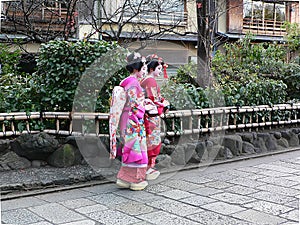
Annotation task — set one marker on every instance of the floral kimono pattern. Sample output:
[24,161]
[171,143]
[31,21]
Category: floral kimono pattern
[152,123]
[132,129]
[117,103]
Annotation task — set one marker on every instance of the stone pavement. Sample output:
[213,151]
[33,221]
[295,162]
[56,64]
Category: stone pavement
[256,191]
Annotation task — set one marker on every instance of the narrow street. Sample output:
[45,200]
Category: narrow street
[257,191]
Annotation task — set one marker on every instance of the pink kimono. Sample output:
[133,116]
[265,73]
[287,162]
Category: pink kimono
[133,135]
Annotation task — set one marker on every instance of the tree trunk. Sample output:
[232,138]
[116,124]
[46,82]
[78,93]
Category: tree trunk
[205,22]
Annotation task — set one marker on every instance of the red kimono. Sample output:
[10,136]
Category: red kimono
[152,123]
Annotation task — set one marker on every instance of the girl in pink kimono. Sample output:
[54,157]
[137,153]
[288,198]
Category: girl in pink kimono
[132,173]
[152,122]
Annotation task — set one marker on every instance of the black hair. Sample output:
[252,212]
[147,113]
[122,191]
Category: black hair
[134,66]
[134,62]
[153,64]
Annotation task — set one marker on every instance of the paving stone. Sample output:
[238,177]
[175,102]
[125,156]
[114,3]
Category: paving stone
[294,178]
[236,173]
[176,194]
[297,187]
[278,168]
[218,184]
[64,195]
[206,191]
[20,216]
[246,182]
[292,215]
[255,177]
[77,203]
[56,213]
[91,208]
[21,203]
[108,199]
[294,204]
[241,190]
[228,175]
[251,169]
[82,222]
[142,223]
[272,173]
[272,197]
[293,160]
[286,164]
[157,188]
[41,223]
[280,190]
[289,223]
[175,207]
[212,218]
[223,208]
[133,208]
[181,184]
[233,198]
[197,179]
[198,200]
[268,207]
[101,189]
[166,218]
[141,196]
[256,217]
[112,217]
[279,181]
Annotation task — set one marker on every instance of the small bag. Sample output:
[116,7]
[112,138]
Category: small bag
[166,105]
[151,108]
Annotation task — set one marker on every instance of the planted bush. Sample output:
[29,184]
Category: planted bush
[62,65]
[249,73]
[16,87]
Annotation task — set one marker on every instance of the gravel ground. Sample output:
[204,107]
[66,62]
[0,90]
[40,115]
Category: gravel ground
[44,177]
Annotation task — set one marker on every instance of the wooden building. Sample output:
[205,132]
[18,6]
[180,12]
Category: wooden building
[232,19]
[264,19]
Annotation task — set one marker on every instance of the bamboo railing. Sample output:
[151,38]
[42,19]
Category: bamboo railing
[181,122]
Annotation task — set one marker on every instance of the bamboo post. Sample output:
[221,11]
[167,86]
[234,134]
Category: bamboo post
[12,125]
[191,122]
[181,121]
[199,121]
[244,120]
[173,124]
[57,124]
[71,123]
[213,119]
[97,127]
[27,126]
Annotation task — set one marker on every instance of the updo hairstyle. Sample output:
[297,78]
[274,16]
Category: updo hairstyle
[153,61]
[134,62]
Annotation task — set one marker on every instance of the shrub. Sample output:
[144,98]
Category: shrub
[291,76]
[249,73]
[61,67]
[15,87]
[184,96]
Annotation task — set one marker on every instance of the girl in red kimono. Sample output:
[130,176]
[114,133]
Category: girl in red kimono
[132,173]
[152,121]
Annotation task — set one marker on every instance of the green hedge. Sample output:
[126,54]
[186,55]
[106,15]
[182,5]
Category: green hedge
[68,72]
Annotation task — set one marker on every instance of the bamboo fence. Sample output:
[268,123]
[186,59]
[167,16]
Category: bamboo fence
[180,122]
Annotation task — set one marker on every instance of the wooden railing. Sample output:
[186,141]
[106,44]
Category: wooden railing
[263,27]
[182,122]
